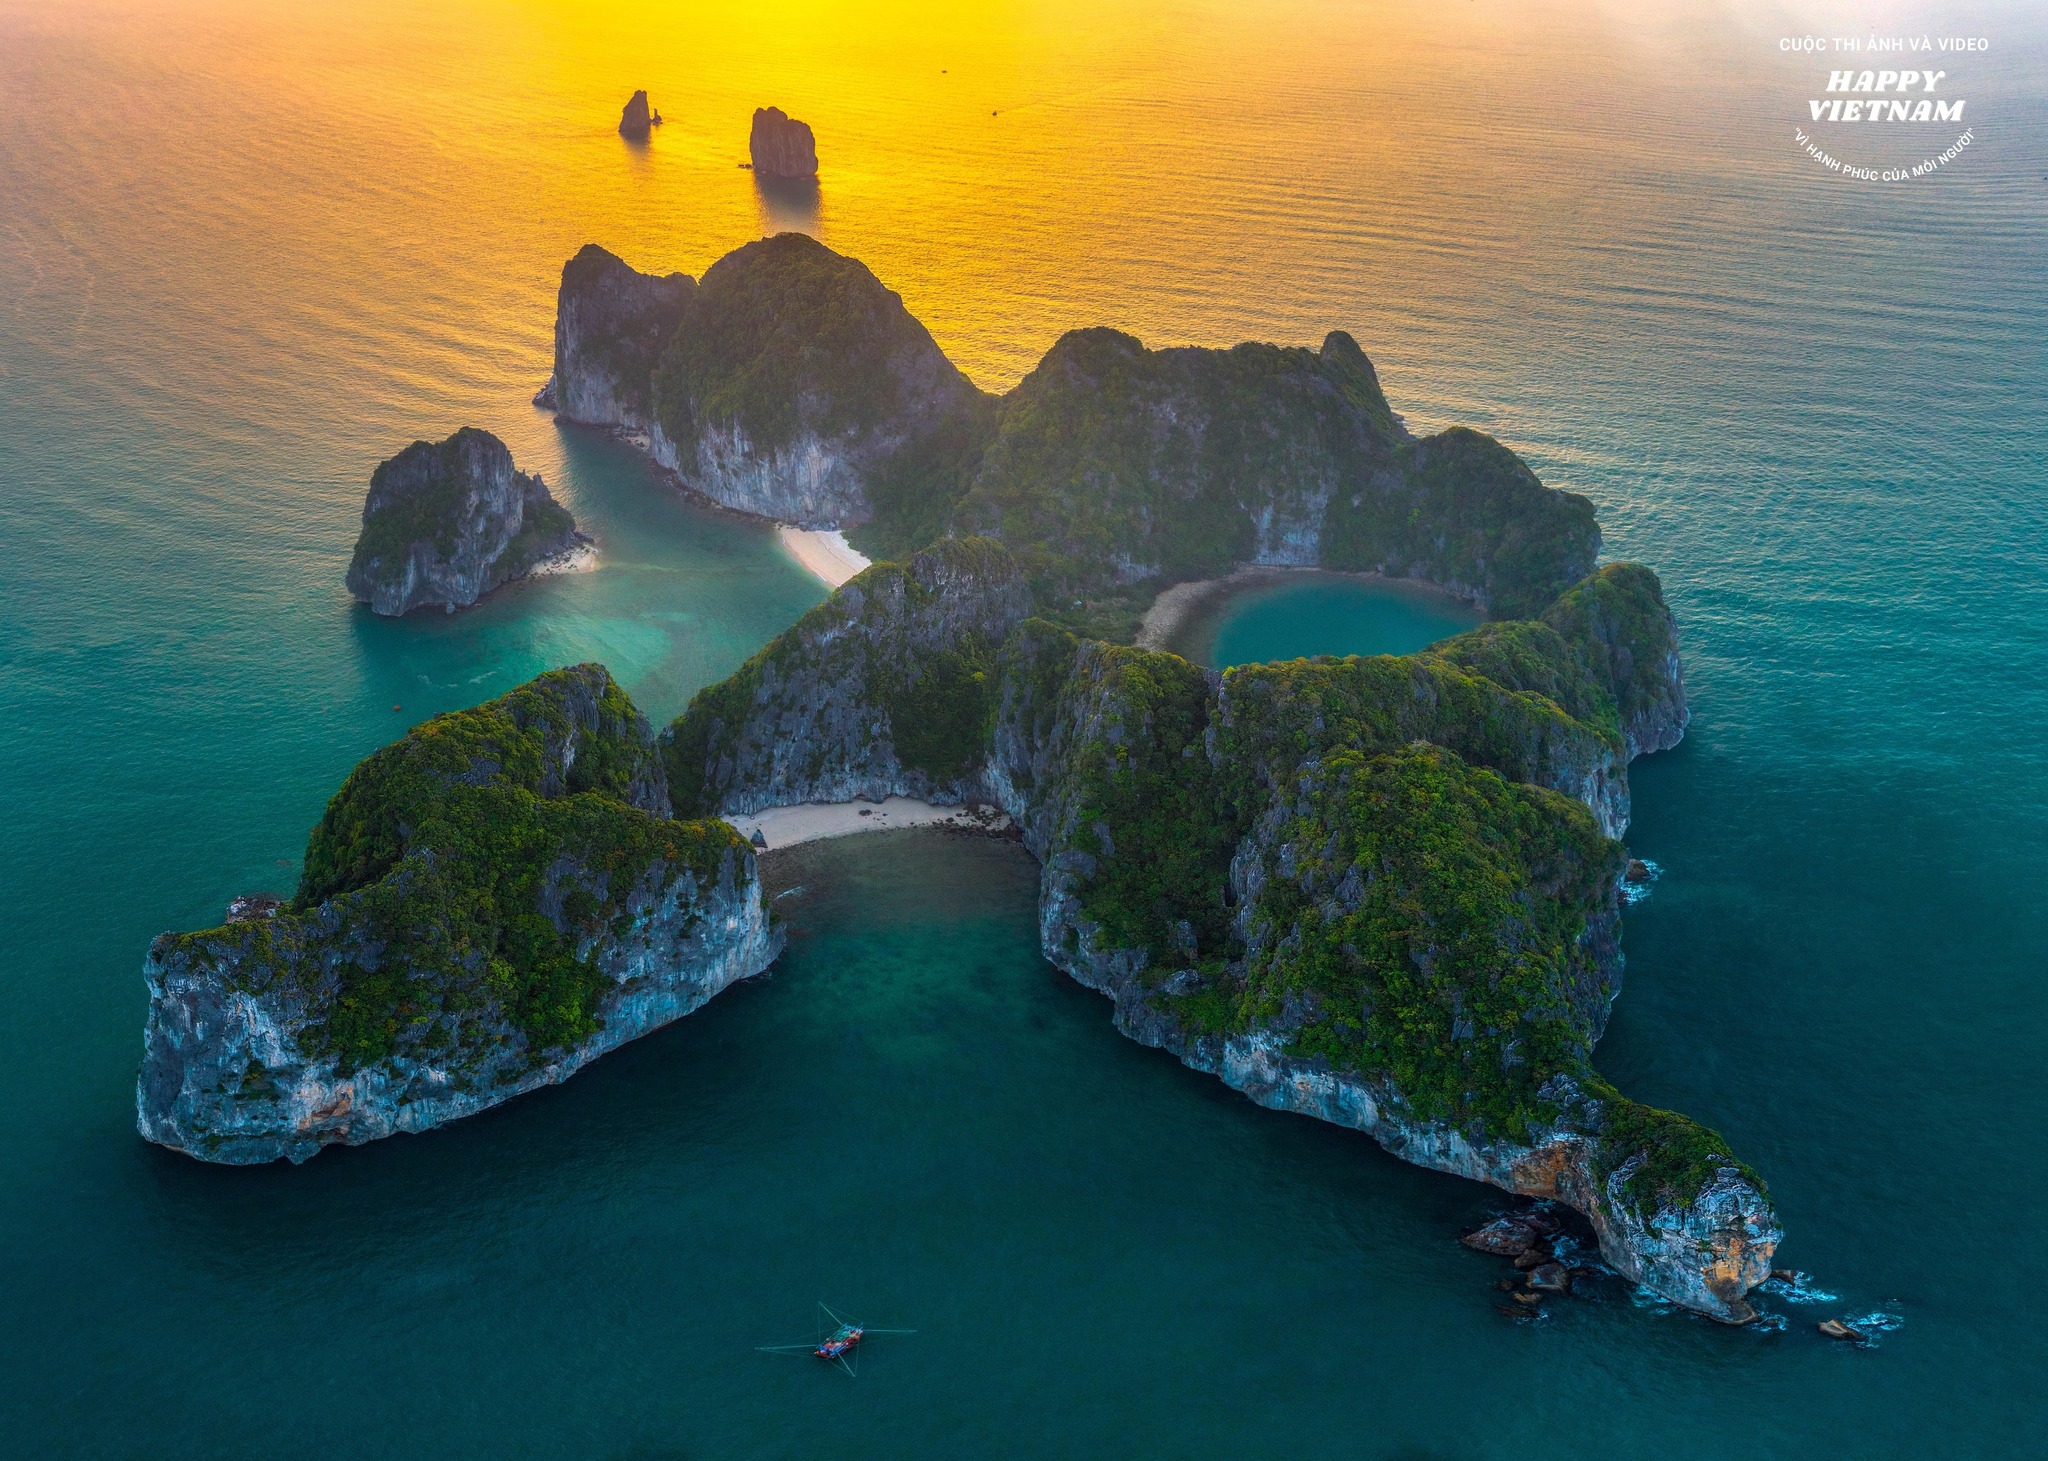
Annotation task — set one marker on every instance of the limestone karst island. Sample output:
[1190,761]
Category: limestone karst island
[1382,891]
[972,731]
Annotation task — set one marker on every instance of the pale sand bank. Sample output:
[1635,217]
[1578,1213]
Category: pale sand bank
[579,557]
[1176,607]
[811,821]
[828,555]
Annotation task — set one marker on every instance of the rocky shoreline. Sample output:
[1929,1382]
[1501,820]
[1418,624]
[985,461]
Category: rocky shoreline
[1119,769]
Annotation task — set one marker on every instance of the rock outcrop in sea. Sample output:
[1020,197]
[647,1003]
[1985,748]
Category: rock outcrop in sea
[781,146]
[794,385]
[611,325]
[1381,891]
[488,905]
[789,382]
[638,119]
[446,522]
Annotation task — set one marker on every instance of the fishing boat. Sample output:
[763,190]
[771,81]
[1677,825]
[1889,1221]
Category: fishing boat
[838,1340]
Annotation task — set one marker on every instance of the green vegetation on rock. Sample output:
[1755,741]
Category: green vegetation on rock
[461,875]
[1429,928]
[1391,865]
[1461,509]
[1670,1158]
[784,336]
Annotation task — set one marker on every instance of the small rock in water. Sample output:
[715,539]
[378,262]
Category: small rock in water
[1505,1285]
[1836,1329]
[1638,870]
[1536,1256]
[1527,1300]
[637,119]
[781,146]
[1508,1237]
[1550,1279]
[254,907]
[1785,1275]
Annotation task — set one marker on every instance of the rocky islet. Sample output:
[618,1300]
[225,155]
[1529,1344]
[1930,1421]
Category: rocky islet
[446,522]
[782,147]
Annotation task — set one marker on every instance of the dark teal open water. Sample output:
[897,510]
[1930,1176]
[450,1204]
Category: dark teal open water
[237,268]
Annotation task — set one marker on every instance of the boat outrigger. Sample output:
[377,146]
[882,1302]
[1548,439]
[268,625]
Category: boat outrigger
[838,1340]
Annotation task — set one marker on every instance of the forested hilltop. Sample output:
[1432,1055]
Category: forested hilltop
[792,383]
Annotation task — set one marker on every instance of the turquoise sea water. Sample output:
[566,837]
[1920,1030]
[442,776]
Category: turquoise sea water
[1316,613]
[248,252]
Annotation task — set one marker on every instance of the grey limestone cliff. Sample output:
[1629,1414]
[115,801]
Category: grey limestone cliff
[488,905]
[447,522]
[789,384]
[611,324]
[792,384]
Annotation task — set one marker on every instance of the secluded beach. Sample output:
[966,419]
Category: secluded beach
[828,555]
[1175,606]
[812,821]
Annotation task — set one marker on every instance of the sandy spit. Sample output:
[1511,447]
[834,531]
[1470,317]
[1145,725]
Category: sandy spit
[828,555]
[782,827]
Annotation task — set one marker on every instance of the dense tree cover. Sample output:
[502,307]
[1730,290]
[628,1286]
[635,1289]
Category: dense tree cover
[461,875]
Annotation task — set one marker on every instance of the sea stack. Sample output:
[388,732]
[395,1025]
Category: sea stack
[638,118]
[782,147]
[447,522]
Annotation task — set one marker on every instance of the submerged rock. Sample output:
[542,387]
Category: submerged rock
[781,146]
[447,522]
[250,907]
[488,905]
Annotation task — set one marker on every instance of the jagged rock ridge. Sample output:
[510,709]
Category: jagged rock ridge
[796,386]
[447,522]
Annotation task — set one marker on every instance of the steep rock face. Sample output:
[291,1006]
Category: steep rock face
[884,690]
[487,906]
[794,385]
[1630,641]
[781,146]
[1463,511]
[611,323]
[1112,458]
[447,522]
[799,388]
[1378,891]
[637,120]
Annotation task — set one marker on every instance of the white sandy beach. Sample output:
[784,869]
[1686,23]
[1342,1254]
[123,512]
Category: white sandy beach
[828,555]
[812,821]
